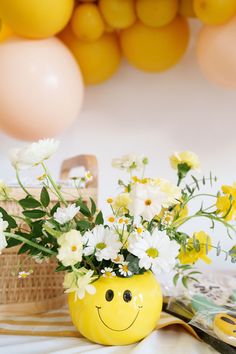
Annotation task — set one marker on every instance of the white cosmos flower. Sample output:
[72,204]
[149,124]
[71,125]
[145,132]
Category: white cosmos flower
[71,248]
[63,215]
[33,154]
[130,162]
[155,251]
[79,282]
[146,200]
[3,227]
[103,241]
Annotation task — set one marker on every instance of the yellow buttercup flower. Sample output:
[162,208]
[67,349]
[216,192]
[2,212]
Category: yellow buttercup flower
[121,202]
[185,157]
[189,255]
[226,204]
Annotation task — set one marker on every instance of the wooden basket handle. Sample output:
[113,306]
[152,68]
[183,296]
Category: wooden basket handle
[89,162]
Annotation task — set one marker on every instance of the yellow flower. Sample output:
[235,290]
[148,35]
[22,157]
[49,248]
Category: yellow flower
[224,203]
[190,255]
[185,157]
[182,213]
[121,202]
[173,192]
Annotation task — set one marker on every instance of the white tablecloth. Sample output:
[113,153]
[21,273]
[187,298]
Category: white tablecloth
[171,340]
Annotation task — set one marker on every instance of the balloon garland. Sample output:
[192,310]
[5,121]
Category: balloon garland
[152,35]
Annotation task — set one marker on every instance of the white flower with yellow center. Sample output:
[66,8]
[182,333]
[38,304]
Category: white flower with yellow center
[79,282]
[23,274]
[111,219]
[64,215]
[103,241]
[146,200]
[130,162]
[155,251]
[119,259]
[173,192]
[108,272]
[3,227]
[71,248]
[124,269]
[185,157]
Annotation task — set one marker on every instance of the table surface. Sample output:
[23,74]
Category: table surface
[171,340]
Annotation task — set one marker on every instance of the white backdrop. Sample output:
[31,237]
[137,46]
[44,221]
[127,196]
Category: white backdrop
[154,114]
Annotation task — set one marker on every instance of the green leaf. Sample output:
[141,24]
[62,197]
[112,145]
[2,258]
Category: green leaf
[133,264]
[83,225]
[11,222]
[55,207]
[176,278]
[83,208]
[93,207]
[24,248]
[34,214]
[44,197]
[185,281]
[29,202]
[99,219]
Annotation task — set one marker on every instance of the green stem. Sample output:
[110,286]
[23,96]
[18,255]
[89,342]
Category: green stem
[57,190]
[30,243]
[20,183]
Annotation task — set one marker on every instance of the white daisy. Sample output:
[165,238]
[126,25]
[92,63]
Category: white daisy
[64,215]
[155,251]
[108,272]
[103,241]
[33,154]
[88,176]
[80,283]
[71,248]
[3,227]
[130,162]
[146,200]
[124,269]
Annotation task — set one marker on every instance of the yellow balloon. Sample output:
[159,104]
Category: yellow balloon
[98,60]
[122,311]
[118,13]
[36,18]
[214,12]
[156,13]
[155,49]
[186,8]
[5,31]
[87,23]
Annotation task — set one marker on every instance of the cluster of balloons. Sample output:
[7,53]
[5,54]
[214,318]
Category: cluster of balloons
[50,48]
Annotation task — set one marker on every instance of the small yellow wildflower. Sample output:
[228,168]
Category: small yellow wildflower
[225,206]
[188,157]
[190,255]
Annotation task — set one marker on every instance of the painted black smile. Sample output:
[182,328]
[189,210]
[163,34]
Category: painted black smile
[117,330]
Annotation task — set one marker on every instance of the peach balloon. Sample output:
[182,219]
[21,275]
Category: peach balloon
[41,88]
[216,53]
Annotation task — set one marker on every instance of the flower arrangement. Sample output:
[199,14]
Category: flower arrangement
[143,233]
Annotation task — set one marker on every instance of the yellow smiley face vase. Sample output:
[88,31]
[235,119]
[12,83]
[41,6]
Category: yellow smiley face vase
[122,311]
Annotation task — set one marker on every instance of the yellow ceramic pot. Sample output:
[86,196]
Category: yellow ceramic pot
[123,310]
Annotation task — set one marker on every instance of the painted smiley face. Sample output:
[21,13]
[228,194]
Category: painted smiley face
[127,297]
[224,326]
[123,310]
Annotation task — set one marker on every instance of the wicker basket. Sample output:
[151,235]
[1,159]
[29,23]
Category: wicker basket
[42,291]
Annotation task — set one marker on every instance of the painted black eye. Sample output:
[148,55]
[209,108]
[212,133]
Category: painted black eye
[127,296]
[228,320]
[109,295]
